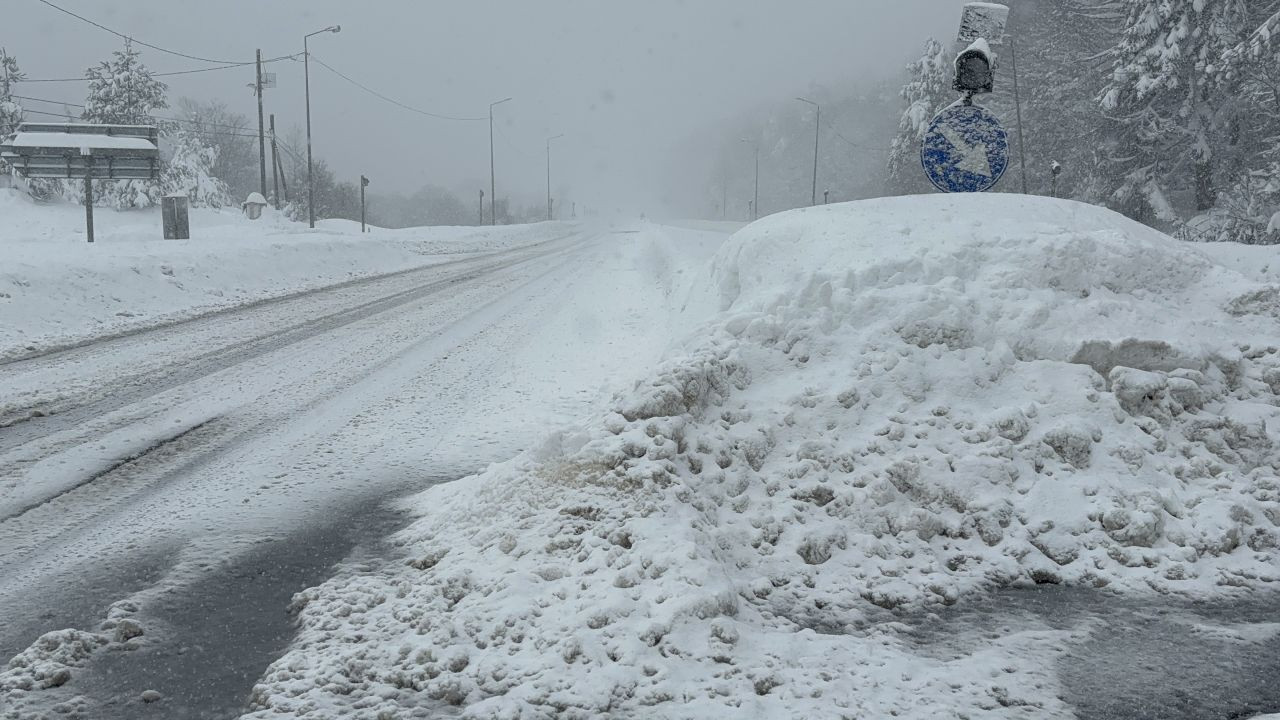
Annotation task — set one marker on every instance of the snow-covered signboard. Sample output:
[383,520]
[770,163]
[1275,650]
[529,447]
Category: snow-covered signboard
[965,150]
[983,20]
[78,150]
[85,151]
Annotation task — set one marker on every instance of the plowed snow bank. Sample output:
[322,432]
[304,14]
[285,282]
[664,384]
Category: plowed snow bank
[904,402]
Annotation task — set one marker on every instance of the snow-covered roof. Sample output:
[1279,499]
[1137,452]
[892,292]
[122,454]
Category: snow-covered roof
[79,140]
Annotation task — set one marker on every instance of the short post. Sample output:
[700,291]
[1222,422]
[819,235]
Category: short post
[826,197]
[481,208]
[88,197]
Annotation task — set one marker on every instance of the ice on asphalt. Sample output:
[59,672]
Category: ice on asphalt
[901,404]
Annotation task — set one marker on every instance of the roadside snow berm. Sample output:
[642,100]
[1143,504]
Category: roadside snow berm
[904,403]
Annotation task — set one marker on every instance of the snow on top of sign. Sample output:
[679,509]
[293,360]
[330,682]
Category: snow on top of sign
[980,45]
[79,140]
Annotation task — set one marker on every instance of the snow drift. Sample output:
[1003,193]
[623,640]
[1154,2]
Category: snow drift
[904,403]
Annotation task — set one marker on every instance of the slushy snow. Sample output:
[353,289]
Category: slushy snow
[903,404]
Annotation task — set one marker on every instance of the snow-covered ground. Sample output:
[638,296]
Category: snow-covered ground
[901,404]
[55,288]
[259,424]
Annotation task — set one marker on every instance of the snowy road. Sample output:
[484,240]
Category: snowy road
[138,466]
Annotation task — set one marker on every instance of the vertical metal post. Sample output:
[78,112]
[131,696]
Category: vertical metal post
[755,212]
[481,208]
[1017,103]
[311,193]
[493,191]
[817,132]
[548,180]
[362,203]
[275,164]
[262,143]
[826,197]
[88,197]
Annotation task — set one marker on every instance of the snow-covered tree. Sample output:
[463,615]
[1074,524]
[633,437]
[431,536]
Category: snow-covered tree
[189,170]
[10,109]
[926,93]
[122,91]
[1170,117]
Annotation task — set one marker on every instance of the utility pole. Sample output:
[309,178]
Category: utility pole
[550,215]
[481,208]
[262,143]
[306,70]
[817,131]
[364,183]
[1017,104]
[275,164]
[493,189]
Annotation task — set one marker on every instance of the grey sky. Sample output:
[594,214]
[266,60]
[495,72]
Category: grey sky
[624,81]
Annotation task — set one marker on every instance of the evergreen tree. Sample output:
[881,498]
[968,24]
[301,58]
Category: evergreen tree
[122,91]
[926,93]
[189,170]
[10,109]
[1168,114]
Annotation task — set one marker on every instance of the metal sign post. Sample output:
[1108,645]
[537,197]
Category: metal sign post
[82,150]
[965,149]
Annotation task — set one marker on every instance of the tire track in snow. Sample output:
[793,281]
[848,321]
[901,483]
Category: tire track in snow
[68,412]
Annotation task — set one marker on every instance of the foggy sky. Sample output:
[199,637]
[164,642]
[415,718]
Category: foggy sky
[624,81]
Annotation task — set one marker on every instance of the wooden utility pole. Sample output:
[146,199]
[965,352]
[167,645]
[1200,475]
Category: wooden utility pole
[275,164]
[262,143]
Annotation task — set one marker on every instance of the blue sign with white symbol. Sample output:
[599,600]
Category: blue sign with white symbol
[965,150]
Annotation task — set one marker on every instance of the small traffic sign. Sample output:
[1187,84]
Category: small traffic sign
[965,150]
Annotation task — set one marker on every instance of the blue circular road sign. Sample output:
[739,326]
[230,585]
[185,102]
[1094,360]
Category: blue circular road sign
[965,150]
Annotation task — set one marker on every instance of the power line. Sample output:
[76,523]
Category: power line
[160,118]
[131,39]
[393,101]
[166,74]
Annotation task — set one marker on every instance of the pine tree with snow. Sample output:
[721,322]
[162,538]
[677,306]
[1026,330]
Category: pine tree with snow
[1170,115]
[926,93]
[189,170]
[122,91]
[10,109]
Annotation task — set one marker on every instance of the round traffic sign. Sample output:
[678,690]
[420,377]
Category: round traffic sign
[965,150]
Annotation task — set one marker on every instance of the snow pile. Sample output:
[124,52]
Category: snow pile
[57,288]
[904,403]
[54,659]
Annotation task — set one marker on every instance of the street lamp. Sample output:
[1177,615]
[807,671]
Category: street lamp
[755,204]
[306,69]
[817,129]
[549,213]
[493,191]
